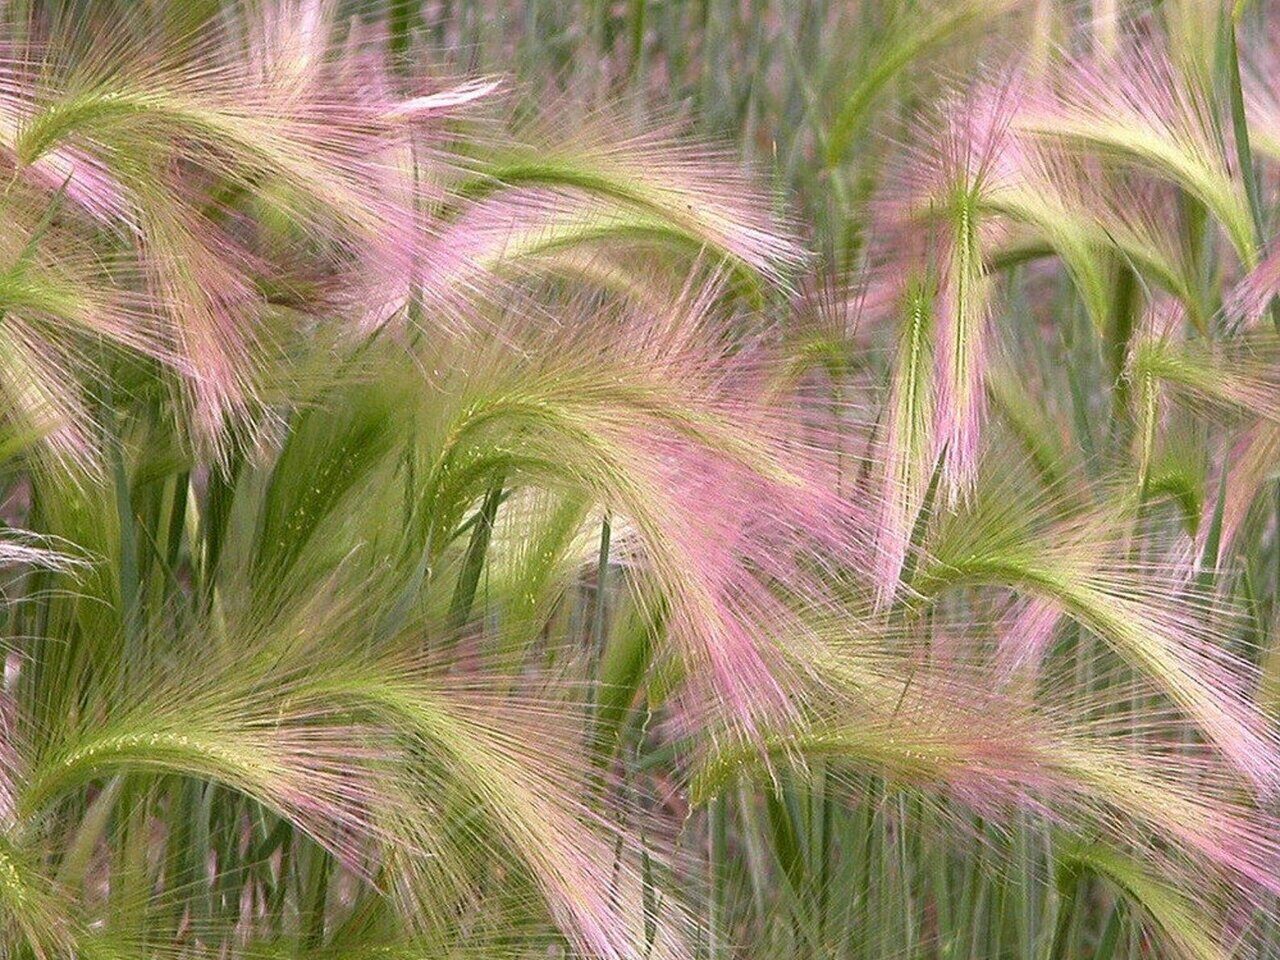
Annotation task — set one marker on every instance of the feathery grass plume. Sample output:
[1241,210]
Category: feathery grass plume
[911,36]
[334,448]
[509,757]
[31,912]
[540,543]
[55,283]
[61,307]
[821,372]
[1217,380]
[1247,466]
[636,413]
[237,721]
[532,232]
[1261,99]
[910,451]
[1040,432]
[480,773]
[1192,27]
[1239,373]
[1107,22]
[1177,474]
[1111,764]
[693,188]
[365,753]
[29,550]
[947,187]
[1140,111]
[525,504]
[1144,223]
[1146,395]
[40,387]
[1249,298]
[536,203]
[821,335]
[1082,566]
[1041,190]
[933,728]
[1173,914]
[280,123]
[1090,217]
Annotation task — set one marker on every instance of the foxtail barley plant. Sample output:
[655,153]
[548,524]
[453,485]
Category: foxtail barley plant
[641,481]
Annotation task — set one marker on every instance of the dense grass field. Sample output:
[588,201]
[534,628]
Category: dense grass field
[640,479]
